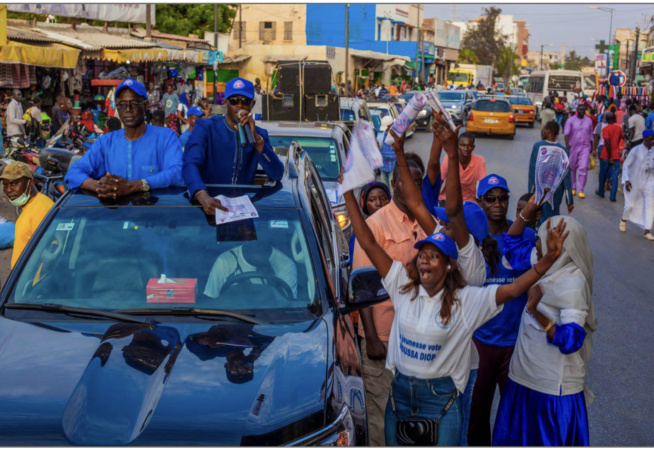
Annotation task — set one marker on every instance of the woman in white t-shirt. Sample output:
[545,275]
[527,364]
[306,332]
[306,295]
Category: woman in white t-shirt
[436,313]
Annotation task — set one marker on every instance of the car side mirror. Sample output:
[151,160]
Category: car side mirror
[365,289]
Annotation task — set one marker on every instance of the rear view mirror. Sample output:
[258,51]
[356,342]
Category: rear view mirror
[365,289]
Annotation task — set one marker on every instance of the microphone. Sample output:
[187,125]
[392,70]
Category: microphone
[245,133]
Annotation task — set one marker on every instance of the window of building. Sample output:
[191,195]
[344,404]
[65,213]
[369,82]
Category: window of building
[267,31]
[288,31]
[239,28]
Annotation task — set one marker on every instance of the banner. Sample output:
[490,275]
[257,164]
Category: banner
[127,12]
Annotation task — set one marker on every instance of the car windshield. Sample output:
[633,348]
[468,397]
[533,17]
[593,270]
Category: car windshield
[115,259]
[323,152]
[376,120]
[380,109]
[450,96]
[457,76]
[520,100]
[563,82]
[407,97]
[347,115]
[492,106]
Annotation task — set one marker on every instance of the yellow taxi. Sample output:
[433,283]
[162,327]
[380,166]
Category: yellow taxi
[523,109]
[492,115]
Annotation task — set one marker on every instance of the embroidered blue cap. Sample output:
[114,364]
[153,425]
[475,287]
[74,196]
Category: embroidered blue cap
[490,182]
[474,216]
[444,244]
[195,111]
[135,86]
[648,133]
[239,86]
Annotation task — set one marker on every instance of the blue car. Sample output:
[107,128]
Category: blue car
[140,321]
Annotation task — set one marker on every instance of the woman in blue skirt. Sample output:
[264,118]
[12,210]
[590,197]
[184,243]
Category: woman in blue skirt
[545,397]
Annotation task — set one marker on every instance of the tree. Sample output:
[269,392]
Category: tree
[586,62]
[484,38]
[572,61]
[184,19]
[555,65]
[506,64]
[467,56]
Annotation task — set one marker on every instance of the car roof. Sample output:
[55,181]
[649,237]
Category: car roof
[302,129]
[266,193]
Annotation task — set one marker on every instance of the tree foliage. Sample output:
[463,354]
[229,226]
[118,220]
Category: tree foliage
[467,56]
[572,61]
[186,18]
[505,64]
[484,38]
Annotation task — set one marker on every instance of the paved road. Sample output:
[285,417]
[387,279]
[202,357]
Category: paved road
[622,365]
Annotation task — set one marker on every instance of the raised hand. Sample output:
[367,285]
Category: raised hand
[555,239]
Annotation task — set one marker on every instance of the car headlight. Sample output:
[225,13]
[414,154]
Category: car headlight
[339,433]
[341,215]
[422,113]
[454,106]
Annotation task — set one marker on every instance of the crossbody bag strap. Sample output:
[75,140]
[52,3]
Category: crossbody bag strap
[443,413]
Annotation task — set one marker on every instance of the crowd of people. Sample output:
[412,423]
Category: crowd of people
[477,300]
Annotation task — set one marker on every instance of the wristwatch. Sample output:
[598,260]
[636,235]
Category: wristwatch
[145,187]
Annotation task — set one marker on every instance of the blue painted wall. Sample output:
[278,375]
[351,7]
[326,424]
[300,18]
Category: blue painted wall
[326,26]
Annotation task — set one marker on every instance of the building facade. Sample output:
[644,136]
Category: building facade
[626,38]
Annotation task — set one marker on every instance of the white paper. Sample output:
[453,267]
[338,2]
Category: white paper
[240,208]
[362,158]
[435,103]
[551,166]
[408,114]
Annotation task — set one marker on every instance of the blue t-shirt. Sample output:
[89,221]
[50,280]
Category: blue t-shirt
[184,138]
[502,330]
[430,192]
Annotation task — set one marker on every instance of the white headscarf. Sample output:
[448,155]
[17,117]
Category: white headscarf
[568,284]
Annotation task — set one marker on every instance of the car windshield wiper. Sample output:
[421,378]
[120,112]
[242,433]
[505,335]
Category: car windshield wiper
[78,311]
[243,316]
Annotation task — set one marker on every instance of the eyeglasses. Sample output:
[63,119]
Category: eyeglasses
[133,106]
[234,101]
[492,199]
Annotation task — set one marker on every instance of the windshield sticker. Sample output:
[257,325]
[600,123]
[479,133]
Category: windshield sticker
[278,224]
[65,227]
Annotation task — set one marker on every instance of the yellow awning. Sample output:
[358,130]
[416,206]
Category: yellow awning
[152,54]
[47,55]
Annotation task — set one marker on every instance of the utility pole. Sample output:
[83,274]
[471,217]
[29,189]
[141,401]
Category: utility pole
[541,56]
[422,51]
[347,46]
[240,26]
[415,72]
[633,64]
[148,21]
[215,44]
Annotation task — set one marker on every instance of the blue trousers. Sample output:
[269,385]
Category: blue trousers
[609,171]
[466,404]
[422,398]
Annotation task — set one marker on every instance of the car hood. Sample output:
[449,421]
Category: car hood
[103,384]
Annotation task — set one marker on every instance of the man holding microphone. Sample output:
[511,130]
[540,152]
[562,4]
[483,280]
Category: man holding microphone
[218,152]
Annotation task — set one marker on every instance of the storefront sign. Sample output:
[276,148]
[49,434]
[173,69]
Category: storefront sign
[215,56]
[126,12]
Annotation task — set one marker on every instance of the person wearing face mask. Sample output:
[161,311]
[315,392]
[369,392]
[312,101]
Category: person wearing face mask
[435,314]
[18,183]
[215,154]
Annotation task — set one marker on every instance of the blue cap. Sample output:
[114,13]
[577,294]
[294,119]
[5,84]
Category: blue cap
[135,86]
[648,133]
[195,111]
[239,86]
[444,244]
[475,219]
[490,182]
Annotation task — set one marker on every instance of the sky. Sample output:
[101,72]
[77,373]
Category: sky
[576,25]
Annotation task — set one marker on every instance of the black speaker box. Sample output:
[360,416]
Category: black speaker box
[273,108]
[321,107]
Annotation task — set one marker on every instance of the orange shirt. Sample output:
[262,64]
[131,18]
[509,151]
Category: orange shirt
[396,234]
[392,90]
[473,173]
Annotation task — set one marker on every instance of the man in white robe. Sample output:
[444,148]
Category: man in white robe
[638,181]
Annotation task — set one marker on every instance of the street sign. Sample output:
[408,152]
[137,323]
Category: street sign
[601,47]
[617,78]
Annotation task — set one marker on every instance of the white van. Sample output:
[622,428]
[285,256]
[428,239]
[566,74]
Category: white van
[563,82]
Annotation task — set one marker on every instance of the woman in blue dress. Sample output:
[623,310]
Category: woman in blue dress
[545,397]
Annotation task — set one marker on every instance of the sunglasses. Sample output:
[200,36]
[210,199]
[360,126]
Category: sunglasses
[234,101]
[133,106]
[492,199]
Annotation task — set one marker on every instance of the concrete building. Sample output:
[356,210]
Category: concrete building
[523,40]
[549,57]
[626,37]
[382,39]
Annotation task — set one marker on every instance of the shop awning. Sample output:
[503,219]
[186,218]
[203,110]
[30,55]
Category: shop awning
[236,59]
[47,55]
[152,54]
[410,64]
